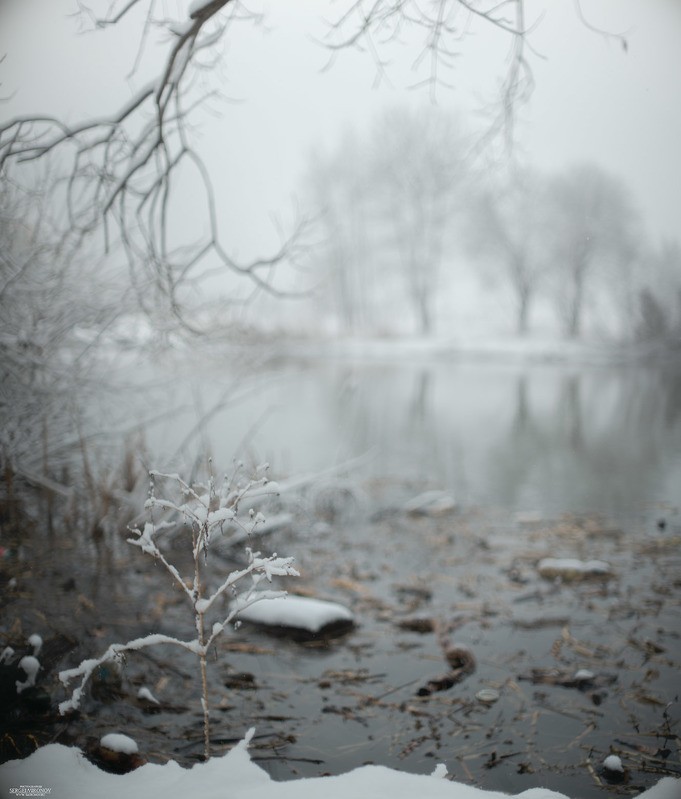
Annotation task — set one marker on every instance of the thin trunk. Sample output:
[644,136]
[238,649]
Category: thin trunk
[579,269]
[425,316]
[522,283]
[197,539]
[204,689]
[523,312]
[575,308]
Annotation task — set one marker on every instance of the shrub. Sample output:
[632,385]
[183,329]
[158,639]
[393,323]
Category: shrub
[207,512]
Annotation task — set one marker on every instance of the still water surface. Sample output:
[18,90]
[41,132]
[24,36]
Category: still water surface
[539,437]
[564,445]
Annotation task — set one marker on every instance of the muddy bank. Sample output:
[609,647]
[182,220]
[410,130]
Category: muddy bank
[465,650]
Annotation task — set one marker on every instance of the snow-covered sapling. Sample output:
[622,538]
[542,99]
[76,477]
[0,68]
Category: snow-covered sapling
[208,513]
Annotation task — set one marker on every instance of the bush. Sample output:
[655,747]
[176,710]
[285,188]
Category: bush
[204,513]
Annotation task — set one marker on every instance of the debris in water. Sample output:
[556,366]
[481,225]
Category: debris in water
[430,503]
[571,569]
[613,770]
[488,696]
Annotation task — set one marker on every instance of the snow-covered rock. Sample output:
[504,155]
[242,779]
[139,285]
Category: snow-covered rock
[573,569]
[117,742]
[613,763]
[298,612]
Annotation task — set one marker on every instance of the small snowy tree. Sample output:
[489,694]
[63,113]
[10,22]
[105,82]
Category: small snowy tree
[208,513]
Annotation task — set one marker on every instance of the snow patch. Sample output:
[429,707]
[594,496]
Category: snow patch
[31,666]
[584,674]
[292,611]
[117,742]
[571,568]
[145,693]
[613,763]
[36,642]
[68,773]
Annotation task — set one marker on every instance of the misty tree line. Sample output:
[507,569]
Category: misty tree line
[407,213]
[86,254]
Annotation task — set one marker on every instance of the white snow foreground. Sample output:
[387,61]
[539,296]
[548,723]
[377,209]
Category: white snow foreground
[68,774]
[291,611]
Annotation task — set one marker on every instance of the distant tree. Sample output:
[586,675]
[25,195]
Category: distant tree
[438,28]
[658,314]
[593,224]
[507,226]
[653,323]
[124,171]
[336,186]
[419,170]
[388,204]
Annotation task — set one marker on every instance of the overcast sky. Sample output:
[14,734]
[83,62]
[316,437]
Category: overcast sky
[593,100]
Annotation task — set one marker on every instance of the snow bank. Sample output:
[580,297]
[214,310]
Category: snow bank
[68,774]
[294,611]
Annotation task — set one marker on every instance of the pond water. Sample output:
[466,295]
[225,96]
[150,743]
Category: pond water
[542,460]
[545,437]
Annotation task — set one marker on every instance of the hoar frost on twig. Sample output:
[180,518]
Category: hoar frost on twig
[206,514]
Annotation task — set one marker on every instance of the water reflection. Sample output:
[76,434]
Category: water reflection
[541,437]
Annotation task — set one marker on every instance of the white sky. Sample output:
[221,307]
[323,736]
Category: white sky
[592,100]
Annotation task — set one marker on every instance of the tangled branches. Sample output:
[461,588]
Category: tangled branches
[123,170]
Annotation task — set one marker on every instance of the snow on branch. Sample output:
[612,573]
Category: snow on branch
[206,511]
[115,653]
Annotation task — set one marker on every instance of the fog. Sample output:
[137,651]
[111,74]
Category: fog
[393,288]
[592,100]
[422,212]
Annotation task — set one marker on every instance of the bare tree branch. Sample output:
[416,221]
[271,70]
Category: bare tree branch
[124,168]
[441,26]
[619,37]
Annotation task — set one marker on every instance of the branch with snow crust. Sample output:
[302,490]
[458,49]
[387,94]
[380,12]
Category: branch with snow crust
[204,512]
